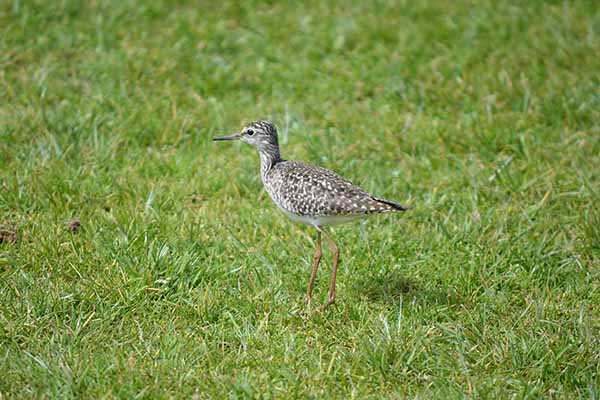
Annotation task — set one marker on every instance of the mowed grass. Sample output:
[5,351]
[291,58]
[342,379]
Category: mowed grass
[186,281]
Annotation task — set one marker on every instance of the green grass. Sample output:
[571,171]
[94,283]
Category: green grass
[185,280]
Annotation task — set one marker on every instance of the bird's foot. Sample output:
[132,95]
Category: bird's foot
[324,306]
[308,300]
[307,312]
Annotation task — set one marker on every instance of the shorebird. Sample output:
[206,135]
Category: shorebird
[309,194]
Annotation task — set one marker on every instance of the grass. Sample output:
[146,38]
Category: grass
[185,281]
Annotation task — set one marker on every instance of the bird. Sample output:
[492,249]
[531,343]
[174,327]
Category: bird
[310,194]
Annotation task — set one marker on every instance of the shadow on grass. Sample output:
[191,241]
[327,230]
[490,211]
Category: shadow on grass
[390,287]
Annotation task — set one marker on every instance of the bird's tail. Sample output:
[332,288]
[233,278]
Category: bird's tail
[393,206]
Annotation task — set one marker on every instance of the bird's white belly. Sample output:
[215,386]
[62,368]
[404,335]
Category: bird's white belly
[322,220]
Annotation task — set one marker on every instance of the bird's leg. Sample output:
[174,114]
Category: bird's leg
[315,267]
[336,254]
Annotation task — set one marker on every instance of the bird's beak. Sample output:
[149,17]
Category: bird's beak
[230,137]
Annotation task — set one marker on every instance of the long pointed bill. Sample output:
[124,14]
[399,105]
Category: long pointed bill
[231,137]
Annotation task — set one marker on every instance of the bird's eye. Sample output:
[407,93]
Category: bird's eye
[250,132]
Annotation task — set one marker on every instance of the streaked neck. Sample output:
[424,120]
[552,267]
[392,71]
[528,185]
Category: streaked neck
[268,158]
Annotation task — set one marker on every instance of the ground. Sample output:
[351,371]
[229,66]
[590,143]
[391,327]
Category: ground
[140,259]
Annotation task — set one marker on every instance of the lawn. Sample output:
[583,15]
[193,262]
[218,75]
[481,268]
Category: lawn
[184,280]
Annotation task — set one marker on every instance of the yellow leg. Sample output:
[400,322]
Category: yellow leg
[336,254]
[315,267]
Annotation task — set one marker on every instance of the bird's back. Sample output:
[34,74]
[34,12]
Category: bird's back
[306,190]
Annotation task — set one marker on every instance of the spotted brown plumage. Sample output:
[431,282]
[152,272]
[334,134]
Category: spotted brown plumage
[308,193]
[308,190]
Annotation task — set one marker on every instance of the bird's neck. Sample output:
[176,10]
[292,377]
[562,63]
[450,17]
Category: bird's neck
[268,158]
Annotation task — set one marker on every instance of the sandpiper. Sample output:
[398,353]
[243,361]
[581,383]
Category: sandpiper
[309,194]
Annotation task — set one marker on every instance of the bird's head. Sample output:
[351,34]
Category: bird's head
[262,135]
